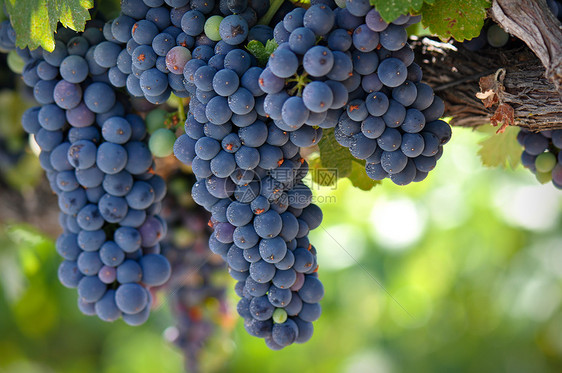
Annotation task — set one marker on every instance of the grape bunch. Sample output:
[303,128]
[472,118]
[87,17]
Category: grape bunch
[350,70]
[97,161]
[197,296]
[149,44]
[261,215]
[249,176]
[542,154]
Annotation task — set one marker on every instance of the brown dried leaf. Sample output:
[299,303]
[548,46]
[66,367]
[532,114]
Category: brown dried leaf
[489,90]
[505,115]
[485,95]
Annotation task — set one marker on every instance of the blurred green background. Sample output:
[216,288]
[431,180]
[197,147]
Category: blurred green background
[461,273]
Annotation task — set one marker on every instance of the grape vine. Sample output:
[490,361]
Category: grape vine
[266,84]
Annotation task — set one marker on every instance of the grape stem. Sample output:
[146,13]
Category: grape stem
[301,82]
[181,110]
[273,8]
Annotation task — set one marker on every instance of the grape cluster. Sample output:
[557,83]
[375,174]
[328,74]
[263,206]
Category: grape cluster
[249,176]
[350,70]
[149,44]
[197,296]
[542,154]
[97,161]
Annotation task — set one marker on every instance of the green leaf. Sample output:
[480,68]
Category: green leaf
[359,177]
[452,18]
[270,46]
[334,156]
[336,162]
[320,175]
[315,164]
[35,21]
[390,10]
[502,149]
[260,51]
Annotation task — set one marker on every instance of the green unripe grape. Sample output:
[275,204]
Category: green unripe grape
[497,37]
[543,177]
[15,62]
[341,3]
[155,120]
[161,142]
[212,28]
[545,162]
[279,316]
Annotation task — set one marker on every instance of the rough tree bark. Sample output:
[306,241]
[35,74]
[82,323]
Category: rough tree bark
[525,85]
[532,22]
[454,72]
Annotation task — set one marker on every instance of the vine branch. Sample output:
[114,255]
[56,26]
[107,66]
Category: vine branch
[533,22]
[273,8]
[455,72]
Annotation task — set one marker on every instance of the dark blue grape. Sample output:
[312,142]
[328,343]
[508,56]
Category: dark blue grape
[377,104]
[320,19]
[318,61]
[241,102]
[90,288]
[156,269]
[431,144]
[392,72]
[234,29]
[394,37]
[364,39]
[395,114]
[317,96]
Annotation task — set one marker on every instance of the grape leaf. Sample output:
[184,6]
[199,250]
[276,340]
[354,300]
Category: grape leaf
[336,162]
[320,175]
[452,18]
[334,156]
[260,51]
[35,21]
[270,46]
[390,10]
[502,149]
[359,177]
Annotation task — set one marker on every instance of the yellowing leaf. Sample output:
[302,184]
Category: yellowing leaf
[359,177]
[336,162]
[35,21]
[502,149]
